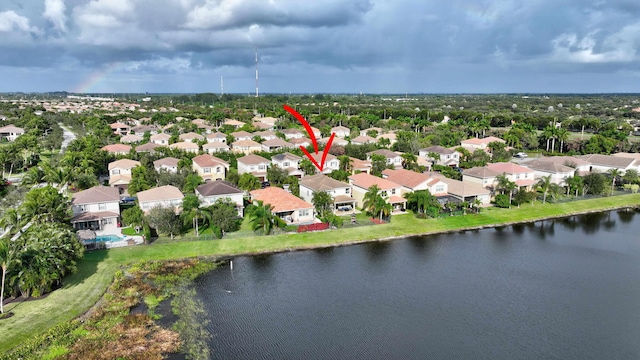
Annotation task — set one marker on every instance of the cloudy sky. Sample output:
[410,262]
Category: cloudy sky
[341,46]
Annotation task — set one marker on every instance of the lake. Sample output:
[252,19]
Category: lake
[557,289]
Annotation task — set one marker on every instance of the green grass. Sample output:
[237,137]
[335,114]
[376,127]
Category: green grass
[96,270]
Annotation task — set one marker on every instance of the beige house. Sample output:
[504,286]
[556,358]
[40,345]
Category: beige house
[413,181]
[246,147]
[341,131]
[120,172]
[191,137]
[128,139]
[390,191]
[362,140]
[168,164]
[120,128]
[448,157]
[242,135]
[97,209]
[217,137]
[214,147]
[148,147]
[340,192]
[160,139]
[11,132]
[186,146]
[285,205]
[275,145]
[475,143]
[210,167]
[164,196]
[254,165]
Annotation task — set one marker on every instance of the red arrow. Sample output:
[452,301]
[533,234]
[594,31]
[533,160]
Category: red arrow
[312,137]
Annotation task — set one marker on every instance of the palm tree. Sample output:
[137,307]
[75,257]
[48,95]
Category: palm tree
[631,176]
[544,184]
[263,220]
[33,176]
[505,185]
[371,198]
[476,204]
[346,164]
[5,261]
[11,220]
[614,173]
[563,135]
[548,133]
[409,160]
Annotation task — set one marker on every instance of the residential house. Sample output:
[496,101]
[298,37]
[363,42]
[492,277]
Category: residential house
[336,141]
[475,143]
[464,190]
[148,147]
[481,175]
[246,147]
[604,163]
[390,191]
[262,126]
[120,172]
[522,176]
[289,162]
[168,164]
[267,122]
[447,157]
[210,167]
[392,137]
[186,146]
[393,158]
[265,135]
[11,132]
[542,168]
[128,139]
[331,162]
[362,140]
[141,129]
[164,196]
[413,181]
[275,145]
[303,141]
[254,165]
[213,191]
[120,128]
[316,132]
[358,166]
[285,205]
[160,139]
[97,208]
[214,147]
[582,166]
[235,123]
[366,132]
[341,131]
[191,137]
[293,133]
[340,192]
[217,137]
[117,149]
[242,135]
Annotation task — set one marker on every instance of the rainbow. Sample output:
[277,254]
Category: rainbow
[93,81]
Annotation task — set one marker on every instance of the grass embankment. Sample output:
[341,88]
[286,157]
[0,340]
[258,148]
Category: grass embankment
[96,270]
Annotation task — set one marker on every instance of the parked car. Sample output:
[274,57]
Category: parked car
[521,155]
[265,184]
[128,199]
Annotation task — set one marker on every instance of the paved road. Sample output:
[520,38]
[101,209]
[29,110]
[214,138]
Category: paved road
[67,137]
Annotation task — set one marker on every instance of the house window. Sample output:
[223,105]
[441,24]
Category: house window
[206,170]
[102,206]
[347,190]
[286,164]
[439,188]
[304,212]
[218,170]
[447,157]
[83,207]
[115,172]
[383,193]
[252,168]
[517,176]
[261,167]
[484,181]
[393,191]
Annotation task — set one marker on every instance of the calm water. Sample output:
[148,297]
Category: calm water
[564,289]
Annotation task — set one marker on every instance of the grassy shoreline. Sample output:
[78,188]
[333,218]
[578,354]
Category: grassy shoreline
[83,289]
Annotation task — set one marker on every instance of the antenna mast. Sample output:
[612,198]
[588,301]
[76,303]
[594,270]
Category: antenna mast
[256,71]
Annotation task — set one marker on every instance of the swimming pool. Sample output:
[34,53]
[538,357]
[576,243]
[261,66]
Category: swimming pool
[108,238]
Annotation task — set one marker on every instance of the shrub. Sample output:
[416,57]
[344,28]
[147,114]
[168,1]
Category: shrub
[502,201]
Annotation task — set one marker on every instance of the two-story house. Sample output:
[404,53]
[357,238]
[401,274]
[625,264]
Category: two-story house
[390,191]
[242,135]
[245,147]
[215,147]
[191,137]
[186,146]
[413,181]
[11,132]
[213,191]
[542,168]
[210,167]
[120,128]
[393,158]
[168,164]
[275,145]
[446,157]
[289,162]
[117,149]
[120,172]
[255,165]
[293,133]
[133,138]
[285,205]
[164,196]
[97,209]
[331,162]
[340,192]
[217,137]
[341,131]
[475,143]
[522,176]
[160,139]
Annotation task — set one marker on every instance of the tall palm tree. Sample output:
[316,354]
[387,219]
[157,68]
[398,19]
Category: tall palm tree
[506,186]
[563,135]
[614,173]
[631,176]
[263,220]
[548,133]
[5,261]
[346,164]
[371,198]
[409,160]
[544,184]
[12,220]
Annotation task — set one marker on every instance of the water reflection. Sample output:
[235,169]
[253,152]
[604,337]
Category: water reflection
[626,215]
[518,228]
[324,252]
[261,262]
[377,250]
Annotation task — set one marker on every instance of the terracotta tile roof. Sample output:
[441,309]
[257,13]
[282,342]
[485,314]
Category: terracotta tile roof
[608,160]
[96,194]
[508,167]
[438,149]
[167,192]
[206,160]
[321,182]
[365,181]
[481,172]
[261,125]
[487,140]
[161,136]
[280,199]
[362,165]
[168,161]
[384,152]
[396,199]
[524,182]
[246,143]
[185,145]
[219,187]
[123,164]
[233,122]
[253,159]
[119,126]
[117,148]
[406,178]
[147,147]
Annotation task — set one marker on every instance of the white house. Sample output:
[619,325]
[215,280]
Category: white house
[341,131]
[213,191]
[448,157]
[160,139]
[120,172]
[97,208]
[165,196]
[285,205]
[340,192]
[393,158]
[168,164]
[289,162]
[11,132]
[254,165]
